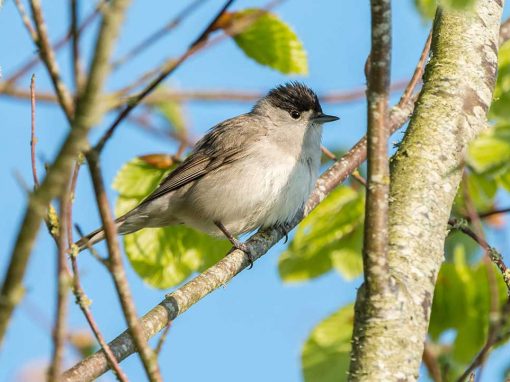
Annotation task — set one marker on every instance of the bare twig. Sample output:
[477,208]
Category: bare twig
[162,338]
[221,273]
[157,35]
[59,329]
[494,308]
[48,56]
[498,211]
[375,244]
[75,51]
[116,99]
[33,139]
[431,363]
[418,72]
[92,250]
[489,344]
[83,302]
[168,69]
[148,357]
[26,20]
[61,42]
[56,181]
[493,253]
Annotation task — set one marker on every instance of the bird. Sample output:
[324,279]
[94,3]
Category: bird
[252,171]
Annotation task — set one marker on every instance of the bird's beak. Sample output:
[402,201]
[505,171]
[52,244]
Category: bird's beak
[323,118]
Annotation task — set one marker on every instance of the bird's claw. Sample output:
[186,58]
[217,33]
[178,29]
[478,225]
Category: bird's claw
[243,247]
[284,228]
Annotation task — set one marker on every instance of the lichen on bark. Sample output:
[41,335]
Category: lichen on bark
[390,329]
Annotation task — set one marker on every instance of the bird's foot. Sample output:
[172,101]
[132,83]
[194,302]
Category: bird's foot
[236,243]
[244,247]
[284,228]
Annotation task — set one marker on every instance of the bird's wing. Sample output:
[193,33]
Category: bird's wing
[223,144]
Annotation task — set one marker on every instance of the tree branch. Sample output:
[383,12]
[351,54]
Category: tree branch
[48,56]
[88,111]
[221,273]
[148,357]
[375,243]
[425,174]
[59,329]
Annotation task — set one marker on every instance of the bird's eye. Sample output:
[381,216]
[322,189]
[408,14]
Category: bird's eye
[295,114]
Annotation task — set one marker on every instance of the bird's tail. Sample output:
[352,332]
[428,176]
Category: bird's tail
[90,239]
[99,235]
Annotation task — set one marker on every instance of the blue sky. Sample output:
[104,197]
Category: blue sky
[253,327]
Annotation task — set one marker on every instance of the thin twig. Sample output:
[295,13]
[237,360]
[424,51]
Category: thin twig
[375,244]
[147,355]
[81,298]
[116,99]
[494,308]
[489,344]
[162,338]
[75,48]
[92,250]
[55,182]
[48,56]
[418,72]
[498,211]
[494,254]
[59,44]
[169,69]
[59,329]
[26,20]
[158,34]
[233,263]
[33,139]
[431,363]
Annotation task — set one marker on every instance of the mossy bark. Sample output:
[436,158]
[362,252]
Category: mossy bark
[391,326]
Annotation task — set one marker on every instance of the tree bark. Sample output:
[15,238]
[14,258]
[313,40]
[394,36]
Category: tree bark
[389,333]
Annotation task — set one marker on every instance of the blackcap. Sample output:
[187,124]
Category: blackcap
[254,170]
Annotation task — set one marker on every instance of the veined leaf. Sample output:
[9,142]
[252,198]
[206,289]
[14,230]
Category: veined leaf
[462,302]
[271,42]
[325,355]
[329,237]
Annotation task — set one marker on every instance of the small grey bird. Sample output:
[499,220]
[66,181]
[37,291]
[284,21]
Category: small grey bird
[255,170]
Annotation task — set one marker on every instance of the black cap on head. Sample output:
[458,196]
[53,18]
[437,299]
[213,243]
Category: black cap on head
[294,96]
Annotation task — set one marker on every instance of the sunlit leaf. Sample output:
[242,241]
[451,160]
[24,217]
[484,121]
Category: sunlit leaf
[162,257]
[325,356]
[174,115]
[500,107]
[329,237]
[462,303]
[489,153]
[481,189]
[427,8]
[270,41]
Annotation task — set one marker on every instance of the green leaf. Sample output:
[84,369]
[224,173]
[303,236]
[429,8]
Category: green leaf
[481,189]
[500,107]
[174,115]
[427,8]
[162,257]
[271,42]
[329,237]
[326,352]
[462,302]
[489,153]
[458,4]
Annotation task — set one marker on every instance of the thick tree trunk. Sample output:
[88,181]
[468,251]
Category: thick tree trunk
[390,327]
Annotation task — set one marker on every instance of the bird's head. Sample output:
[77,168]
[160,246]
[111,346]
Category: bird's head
[293,104]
